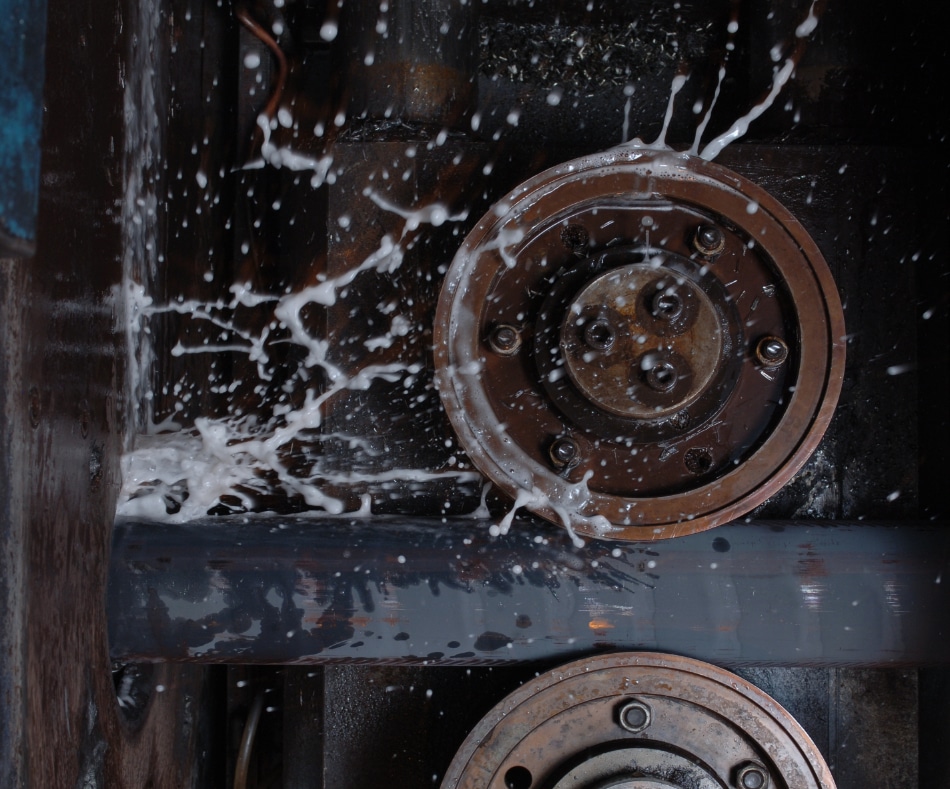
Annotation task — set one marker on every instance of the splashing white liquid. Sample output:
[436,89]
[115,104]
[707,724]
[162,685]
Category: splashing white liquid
[741,126]
[178,475]
[678,81]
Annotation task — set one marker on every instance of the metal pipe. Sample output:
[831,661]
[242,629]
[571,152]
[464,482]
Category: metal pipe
[303,590]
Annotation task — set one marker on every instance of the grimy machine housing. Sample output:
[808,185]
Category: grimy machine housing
[499,394]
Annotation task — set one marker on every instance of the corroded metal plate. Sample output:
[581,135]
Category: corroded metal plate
[638,720]
[639,344]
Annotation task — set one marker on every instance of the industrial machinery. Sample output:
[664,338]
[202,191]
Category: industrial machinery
[487,394]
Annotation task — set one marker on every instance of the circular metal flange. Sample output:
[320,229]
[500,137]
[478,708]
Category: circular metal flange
[638,720]
[664,319]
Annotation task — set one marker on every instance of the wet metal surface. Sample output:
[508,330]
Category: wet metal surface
[638,719]
[370,725]
[877,214]
[639,345]
[61,419]
[323,590]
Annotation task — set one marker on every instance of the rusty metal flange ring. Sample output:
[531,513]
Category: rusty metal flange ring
[639,344]
[638,721]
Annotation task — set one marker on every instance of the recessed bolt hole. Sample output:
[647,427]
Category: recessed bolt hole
[698,461]
[599,335]
[661,377]
[505,339]
[575,238]
[635,716]
[518,777]
[666,306]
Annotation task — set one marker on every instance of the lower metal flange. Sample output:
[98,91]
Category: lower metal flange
[639,344]
[638,721]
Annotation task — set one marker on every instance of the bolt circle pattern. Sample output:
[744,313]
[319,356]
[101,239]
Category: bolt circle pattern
[638,348]
[705,726]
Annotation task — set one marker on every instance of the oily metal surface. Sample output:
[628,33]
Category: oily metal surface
[441,592]
[639,344]
[638,720]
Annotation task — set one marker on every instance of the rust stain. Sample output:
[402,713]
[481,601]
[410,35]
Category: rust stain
[812,567]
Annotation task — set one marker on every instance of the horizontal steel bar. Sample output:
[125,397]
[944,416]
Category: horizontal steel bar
[303,590]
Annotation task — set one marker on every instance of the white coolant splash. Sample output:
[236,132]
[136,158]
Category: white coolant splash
[701,127]
[181,474]
[143,162]
[659,144]
[741,126]
[780,77]
[678,81]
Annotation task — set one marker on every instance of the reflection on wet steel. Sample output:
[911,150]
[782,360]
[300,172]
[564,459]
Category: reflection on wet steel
[271,589]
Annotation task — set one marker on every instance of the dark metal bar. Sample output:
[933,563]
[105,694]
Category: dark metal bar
[284,590]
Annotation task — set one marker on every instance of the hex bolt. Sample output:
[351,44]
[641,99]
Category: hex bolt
[505,339]
[680,420]
[751,775]
[666,306]
[771,351]
[661,377]
[564,452]
[599,335]
[635,716]
[709,240]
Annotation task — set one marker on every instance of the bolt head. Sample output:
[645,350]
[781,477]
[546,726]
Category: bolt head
[635,716]
[666,306]
[709,240]
[751,775]
[771,351]
[505,339]
[680,420]
[564,452]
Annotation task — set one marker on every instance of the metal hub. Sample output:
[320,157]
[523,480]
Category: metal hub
[640,341]
[639,344]
[695,726]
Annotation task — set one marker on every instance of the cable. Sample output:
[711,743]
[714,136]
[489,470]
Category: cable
[257,30]
[247,742]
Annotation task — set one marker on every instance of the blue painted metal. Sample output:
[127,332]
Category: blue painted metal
[444,592]
[22,52]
